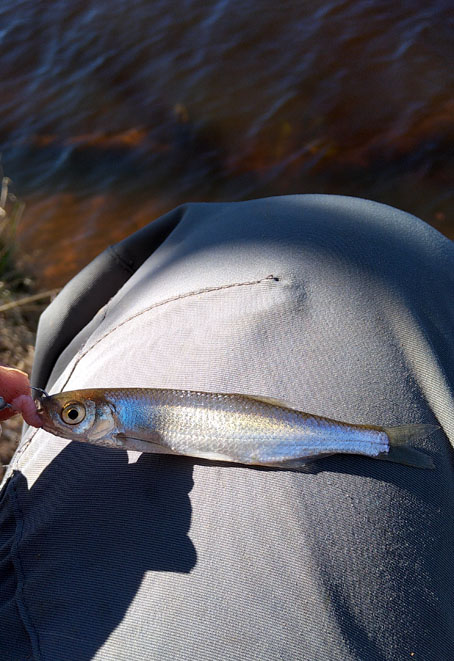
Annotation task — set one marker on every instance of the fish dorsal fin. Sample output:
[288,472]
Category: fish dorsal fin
[274,402]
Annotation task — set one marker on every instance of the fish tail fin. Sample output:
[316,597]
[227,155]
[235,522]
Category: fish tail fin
[400,452]
[406,433]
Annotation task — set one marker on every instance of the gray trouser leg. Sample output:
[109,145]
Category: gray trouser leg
[342,307]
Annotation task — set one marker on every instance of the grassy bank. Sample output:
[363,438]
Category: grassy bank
[20,308]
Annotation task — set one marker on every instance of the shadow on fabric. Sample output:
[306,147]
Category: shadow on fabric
[104,536]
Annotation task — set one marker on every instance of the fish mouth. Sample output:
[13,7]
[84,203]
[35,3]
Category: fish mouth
[38,399]
[41,401]
[39,408]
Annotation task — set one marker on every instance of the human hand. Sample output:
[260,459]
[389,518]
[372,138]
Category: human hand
[15,390]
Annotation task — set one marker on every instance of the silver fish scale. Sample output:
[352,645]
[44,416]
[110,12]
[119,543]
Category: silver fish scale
[237,428]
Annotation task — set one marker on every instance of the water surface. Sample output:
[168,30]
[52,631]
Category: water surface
[112,113]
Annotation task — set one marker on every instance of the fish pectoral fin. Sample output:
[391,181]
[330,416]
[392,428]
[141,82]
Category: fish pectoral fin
[152,443]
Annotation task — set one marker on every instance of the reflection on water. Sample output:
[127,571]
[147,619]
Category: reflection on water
[111,114]
[86,225]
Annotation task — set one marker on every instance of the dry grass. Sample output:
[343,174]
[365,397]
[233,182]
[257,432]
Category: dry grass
[18,319]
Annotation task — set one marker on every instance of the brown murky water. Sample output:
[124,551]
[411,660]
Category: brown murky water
[111,114]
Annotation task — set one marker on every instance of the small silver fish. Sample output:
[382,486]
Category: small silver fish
[223,427]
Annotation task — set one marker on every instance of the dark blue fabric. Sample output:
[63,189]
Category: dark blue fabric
[17,638]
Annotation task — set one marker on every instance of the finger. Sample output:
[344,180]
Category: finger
[25,404]
[13,383]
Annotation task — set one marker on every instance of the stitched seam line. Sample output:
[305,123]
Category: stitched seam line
[17,456]
[128,267]
[28,625]
[20,575]
[172,299]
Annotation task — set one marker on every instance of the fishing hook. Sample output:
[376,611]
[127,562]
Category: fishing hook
[42,392]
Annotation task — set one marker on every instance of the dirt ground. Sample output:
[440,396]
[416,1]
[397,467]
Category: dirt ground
[16,350]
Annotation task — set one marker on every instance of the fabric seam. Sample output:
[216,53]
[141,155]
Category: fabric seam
[128,267]
[172,299]
[17,456]
[82,353]
[20,575]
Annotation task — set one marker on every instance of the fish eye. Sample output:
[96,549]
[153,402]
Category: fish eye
[73,413]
